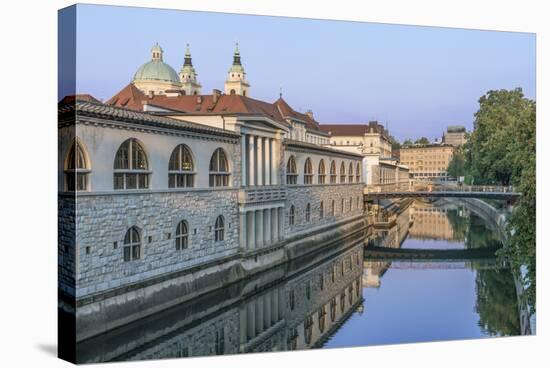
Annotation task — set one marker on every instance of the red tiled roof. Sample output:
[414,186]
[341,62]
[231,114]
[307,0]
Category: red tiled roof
[352,129]
[131,97]
[288,111]
[82,97]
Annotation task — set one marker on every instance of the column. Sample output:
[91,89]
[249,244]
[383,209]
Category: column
[267,227]
[269,161]
[251,229]
[267,310]
[259,229]
[275,156]
[274,226]
[281,221]
[260,168]
[242,230]
[242,325]
[251,155]
[243,161]
[251,320]
[259,315]
[275,307]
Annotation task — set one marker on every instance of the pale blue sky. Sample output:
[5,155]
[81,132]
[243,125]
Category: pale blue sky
[417,79]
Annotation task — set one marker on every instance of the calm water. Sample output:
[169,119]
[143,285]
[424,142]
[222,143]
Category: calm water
[433,300]
[342,299]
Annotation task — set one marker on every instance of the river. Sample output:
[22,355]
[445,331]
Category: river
[424,272]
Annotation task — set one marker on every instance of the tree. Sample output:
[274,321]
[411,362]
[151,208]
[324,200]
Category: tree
[407,142]
[457,166]
[496,154]
[422,140]
[395,145]
[502,149]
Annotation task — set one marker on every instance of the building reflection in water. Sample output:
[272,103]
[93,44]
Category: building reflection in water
[292,307]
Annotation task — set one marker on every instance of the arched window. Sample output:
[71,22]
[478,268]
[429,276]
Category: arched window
[321,172]
[332,208]
[321,315]
[308,212]
[333,309]
[131,166]
[350,203]
[132,245]
[321,210]
[342,206]
[342,173]
[219,228]
[76,169]
[308,329]
[182,235]
[350,173]
[333,172]
[219,169]
[291,174]
[232,92]
[358,173]
[180,168]
[291,216]
[308,172]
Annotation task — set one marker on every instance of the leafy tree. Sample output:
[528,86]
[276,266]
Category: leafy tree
[457,166]
[422,140]
[407,142]
[502,149]
[395,145]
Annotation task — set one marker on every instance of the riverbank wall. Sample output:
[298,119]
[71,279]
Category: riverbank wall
[498,221]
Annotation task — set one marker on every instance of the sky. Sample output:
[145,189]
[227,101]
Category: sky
[415,80]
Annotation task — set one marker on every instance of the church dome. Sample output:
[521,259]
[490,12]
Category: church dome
[156,69]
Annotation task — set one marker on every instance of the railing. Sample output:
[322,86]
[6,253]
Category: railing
[422,186]
[262,194]
[474,188]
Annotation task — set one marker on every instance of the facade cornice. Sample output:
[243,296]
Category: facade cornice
[298,146]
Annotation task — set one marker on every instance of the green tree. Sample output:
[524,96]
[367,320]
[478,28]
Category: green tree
[407,142]
[395,145]
[422,140]
[502,149]
[457,166]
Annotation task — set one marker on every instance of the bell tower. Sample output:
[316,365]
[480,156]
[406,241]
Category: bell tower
[188,76]
[236,83]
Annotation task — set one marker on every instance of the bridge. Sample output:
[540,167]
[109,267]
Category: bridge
[435,190]
[385,253]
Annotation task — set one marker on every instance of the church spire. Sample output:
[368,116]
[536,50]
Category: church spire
[236,83]
[188,75]
[236,55]
[188,57]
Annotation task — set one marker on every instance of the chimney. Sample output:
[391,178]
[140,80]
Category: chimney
[216,93]
[310,114]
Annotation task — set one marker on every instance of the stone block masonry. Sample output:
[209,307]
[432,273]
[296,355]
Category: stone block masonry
[103,220]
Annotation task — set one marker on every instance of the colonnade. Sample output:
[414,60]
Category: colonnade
[261,227]
[261,313]
[260,158]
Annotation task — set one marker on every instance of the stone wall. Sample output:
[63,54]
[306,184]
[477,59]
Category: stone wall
[300,196]
[103,220]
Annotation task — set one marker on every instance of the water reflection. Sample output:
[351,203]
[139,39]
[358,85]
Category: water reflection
[344,298]
[415,300]
[295,306]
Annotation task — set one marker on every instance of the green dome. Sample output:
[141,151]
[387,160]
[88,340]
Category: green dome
[156,70]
